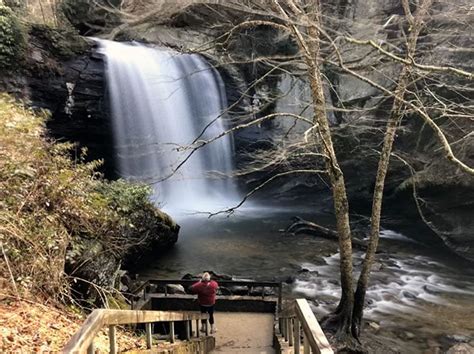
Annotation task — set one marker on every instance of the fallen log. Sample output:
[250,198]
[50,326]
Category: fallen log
[301,226]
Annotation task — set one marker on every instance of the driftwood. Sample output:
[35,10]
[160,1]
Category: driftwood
[301,226]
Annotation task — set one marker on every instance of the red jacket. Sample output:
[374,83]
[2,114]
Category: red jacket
[206,292]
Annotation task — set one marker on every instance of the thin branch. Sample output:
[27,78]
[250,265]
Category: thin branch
[411,61]
[260,186]
[10,271]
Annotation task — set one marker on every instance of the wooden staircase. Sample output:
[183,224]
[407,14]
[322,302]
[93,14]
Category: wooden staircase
[300,331]
[83,340]
[246,324]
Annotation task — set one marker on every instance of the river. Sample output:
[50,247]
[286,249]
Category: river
[420,297]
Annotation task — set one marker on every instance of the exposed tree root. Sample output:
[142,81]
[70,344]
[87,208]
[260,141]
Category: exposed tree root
[338,325]
[347,344]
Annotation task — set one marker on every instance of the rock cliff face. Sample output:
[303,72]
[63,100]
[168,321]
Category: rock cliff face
[80,111]
[77,97]
[446,192]
[70,84]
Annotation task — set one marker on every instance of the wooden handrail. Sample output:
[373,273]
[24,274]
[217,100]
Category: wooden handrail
[188,282]
[269,284]
[83,339]
[248,283]
[299,313]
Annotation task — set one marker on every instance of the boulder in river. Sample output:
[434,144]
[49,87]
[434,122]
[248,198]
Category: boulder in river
[175,289]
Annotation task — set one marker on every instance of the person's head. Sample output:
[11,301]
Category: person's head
[206,277]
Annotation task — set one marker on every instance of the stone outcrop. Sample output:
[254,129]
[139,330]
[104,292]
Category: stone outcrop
[66,79]
[102,264]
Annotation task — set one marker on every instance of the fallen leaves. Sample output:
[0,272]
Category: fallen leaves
[33,327]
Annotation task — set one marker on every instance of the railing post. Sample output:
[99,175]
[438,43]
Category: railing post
[198,332]
[263,292]
[207,328]
[172,332]
[290,332]
[306,348]
[280,296]
[287,325]
[149,339]
[187,325]
[112,340]
[90,348]
[296,334]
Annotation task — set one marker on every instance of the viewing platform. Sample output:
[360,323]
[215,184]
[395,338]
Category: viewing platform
[258,320]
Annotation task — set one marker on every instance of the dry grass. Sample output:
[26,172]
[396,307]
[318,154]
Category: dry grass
[52,209]
[45,199]
[31,327]
[58,215]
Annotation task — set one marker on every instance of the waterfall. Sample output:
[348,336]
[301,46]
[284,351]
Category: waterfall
[160,103]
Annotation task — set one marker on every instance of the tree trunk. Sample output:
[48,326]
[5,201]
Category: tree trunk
[321,134]
[396,115]
[341,205]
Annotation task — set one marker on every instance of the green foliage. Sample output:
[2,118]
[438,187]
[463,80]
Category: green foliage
[62,43]
[141,222]
[16,5]
[12,39]
[55,211]
[125,197]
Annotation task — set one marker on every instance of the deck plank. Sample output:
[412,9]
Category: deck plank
[244,332]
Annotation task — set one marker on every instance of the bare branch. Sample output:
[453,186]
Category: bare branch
[261,185]
[411,61]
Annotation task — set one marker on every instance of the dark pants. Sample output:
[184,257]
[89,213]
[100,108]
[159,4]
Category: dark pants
[210,311]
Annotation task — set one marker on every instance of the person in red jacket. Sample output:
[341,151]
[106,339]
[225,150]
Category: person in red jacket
[206,290]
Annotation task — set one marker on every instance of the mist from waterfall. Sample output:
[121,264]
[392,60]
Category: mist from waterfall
[160,103]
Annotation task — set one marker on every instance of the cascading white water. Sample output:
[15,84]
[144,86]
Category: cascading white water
[160,102]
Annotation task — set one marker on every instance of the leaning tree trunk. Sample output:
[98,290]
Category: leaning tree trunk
[309,46]
[396,115]
[322,134]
